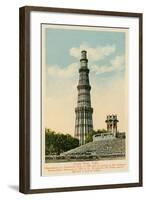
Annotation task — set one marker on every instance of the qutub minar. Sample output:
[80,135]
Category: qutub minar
[83,122]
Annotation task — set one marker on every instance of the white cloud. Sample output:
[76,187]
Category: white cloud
[116,64]
[94,54]
[64,72]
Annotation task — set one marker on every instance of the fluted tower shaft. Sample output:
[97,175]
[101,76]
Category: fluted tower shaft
[83,122]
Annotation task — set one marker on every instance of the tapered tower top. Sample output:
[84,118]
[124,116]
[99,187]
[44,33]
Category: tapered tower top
[83,54]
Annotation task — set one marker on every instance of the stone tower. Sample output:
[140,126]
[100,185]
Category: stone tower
[112,121]
[83,122]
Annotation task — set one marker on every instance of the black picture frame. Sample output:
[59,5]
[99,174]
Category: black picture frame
[24,77]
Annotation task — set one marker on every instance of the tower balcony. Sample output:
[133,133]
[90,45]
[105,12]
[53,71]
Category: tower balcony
[83,54]
[84,108]
[87,87]
[84,69]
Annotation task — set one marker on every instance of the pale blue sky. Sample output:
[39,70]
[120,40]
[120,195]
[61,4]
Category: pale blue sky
[58,43]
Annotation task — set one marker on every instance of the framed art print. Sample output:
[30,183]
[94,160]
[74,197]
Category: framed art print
[80,99]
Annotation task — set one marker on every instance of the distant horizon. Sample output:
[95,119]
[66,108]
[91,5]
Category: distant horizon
[106,52]
[73,135]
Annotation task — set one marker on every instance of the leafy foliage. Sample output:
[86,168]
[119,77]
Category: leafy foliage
[89,136]
[101,131]
[56,143]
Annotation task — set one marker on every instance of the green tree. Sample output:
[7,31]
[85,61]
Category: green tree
[89,136]
[56,143]
[101,131]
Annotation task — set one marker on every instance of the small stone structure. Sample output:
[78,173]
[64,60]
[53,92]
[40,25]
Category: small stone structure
[111,121]
[103,136]
[111,133]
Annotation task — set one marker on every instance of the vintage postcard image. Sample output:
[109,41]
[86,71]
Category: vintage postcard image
[84,73]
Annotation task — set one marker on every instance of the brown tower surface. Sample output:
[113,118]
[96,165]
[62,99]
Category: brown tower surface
[83,122]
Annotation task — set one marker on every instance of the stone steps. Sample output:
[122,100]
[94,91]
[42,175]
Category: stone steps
[115,146]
